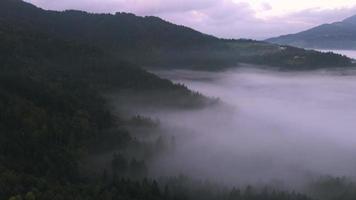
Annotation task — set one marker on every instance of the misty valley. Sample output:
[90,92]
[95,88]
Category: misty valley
[267,129]
[268,126]
[123,106]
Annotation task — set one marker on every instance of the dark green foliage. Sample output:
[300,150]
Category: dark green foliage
[298,59]
[137,169]
[150,41]
[52,113]
[43,131]
[138,120]
[145,190]
[331,188]
[119,166]
[184,188]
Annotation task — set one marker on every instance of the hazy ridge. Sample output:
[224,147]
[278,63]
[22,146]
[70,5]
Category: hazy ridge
[80,119]
[338,35]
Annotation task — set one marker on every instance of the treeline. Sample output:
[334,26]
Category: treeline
[146,189]
[299,59]
[332,188]
[151,41]
[53,114]
[52,111]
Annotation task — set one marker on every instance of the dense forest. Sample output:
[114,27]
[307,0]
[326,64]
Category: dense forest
[52,110]
[53,113]
[153,42]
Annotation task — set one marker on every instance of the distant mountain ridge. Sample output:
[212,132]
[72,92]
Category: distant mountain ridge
[338,35]
[153,42]
[121,28]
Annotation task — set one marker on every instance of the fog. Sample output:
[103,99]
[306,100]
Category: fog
[277,127]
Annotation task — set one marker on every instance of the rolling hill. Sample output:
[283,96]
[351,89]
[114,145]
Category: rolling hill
[54,69]
[153,42]
[338,35]
[52,110]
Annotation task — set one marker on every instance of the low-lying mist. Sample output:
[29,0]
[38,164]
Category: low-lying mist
[278,127]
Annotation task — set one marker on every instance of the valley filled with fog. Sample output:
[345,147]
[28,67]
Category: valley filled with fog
[170,100]
[279,127]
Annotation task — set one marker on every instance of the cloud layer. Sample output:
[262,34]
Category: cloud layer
[270,126]
[257,19]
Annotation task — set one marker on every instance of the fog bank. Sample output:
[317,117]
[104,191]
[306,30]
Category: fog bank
[270,126]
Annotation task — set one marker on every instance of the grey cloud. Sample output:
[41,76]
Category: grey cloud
[222,18]
[140,7]
[270,126]
[266,6]
[318,16]
[231,20]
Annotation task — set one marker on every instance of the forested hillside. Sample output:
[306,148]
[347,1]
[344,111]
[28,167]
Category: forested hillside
[52,114]
[52,109]
[54,69]
[153,42]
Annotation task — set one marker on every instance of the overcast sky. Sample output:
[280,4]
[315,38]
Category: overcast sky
[256,19]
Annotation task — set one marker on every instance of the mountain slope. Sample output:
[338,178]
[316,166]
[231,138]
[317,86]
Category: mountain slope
[338,35]
[52,113]
[127,35]
[52,110]
[120,30]
[153,42]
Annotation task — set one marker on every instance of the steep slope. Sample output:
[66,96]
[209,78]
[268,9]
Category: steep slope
[51,109]
[121,29]
[127,35]
[338,35]
[153,42]
[51,112]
